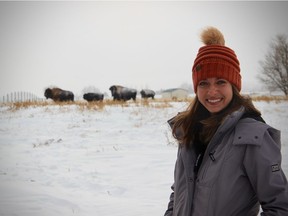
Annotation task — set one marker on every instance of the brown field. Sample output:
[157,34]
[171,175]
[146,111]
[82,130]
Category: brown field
[156,103]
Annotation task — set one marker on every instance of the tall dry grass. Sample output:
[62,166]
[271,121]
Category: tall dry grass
[100,105]
[268,99]
[84,105]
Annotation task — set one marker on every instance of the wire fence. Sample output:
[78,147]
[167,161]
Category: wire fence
[20,97]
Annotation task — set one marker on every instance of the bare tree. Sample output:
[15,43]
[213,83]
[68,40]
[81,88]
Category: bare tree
[275,66]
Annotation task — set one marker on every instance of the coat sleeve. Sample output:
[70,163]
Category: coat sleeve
[263,167]
[169,211]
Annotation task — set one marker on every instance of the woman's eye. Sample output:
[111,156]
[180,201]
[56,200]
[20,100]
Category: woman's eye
[221,82]
[202,84]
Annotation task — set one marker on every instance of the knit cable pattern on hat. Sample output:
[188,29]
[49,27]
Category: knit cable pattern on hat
[216,60]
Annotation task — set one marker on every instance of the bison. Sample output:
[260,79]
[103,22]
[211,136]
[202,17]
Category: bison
[122,93]
[146,93]
[58,94]
[93,97]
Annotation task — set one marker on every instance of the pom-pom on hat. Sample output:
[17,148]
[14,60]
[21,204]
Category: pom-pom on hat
[215,60]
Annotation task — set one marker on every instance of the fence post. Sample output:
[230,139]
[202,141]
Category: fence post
[20,96]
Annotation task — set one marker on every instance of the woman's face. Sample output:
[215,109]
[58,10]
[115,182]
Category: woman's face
[214,94]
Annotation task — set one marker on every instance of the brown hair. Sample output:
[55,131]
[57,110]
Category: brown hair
[197,120]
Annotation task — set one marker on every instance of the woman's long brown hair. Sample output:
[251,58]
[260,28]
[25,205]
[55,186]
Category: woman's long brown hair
[197,120]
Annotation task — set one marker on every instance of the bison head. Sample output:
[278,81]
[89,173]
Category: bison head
[48,93]
[113,90]
[116,91]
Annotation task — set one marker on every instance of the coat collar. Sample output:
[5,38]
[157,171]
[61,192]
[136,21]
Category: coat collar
[188,155]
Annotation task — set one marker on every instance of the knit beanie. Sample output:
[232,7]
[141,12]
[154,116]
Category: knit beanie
[215,60]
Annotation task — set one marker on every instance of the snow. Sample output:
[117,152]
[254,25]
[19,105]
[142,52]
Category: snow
[119,160]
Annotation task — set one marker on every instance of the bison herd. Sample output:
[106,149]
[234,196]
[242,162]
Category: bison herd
[118,93]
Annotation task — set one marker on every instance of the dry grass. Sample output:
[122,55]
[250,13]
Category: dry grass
[26,104]
[268,99]
[100,105]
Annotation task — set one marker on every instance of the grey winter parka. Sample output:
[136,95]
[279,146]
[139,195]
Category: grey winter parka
[241,169]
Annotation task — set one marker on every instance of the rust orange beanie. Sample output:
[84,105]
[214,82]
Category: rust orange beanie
[215,60]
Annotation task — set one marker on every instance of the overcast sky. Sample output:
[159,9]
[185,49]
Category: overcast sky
[75,45]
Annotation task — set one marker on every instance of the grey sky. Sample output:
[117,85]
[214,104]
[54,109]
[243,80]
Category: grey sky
[152,44]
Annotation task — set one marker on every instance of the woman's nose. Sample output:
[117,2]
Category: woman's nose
[212,90]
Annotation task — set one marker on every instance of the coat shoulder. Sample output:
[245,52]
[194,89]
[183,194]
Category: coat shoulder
[251,131]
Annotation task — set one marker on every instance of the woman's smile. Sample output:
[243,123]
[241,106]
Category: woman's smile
[214,101]
[214,94]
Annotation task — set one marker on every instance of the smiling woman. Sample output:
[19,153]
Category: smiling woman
[227,153]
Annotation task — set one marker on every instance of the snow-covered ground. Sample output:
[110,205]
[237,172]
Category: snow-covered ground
[66,160]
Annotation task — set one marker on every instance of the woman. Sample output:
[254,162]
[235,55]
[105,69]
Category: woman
[229,159]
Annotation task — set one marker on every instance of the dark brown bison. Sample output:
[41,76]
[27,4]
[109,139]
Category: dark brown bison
[122,93]
[146,93]
[58,94]
[93,97]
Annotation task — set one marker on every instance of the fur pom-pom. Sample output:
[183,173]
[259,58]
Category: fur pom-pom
[212,36]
